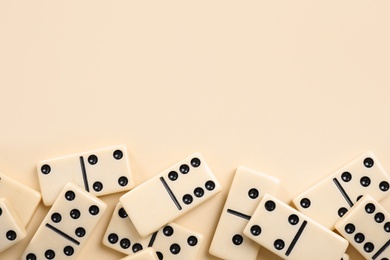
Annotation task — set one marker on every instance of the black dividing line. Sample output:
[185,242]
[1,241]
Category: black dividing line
[173,197]
[341,189]
[239,214]
[84,172]
[59,232]
[152,239]
[296,237]
[380,251]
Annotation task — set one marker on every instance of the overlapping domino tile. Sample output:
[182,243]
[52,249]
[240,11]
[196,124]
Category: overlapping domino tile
[292,235]
[101,172]
[170,194]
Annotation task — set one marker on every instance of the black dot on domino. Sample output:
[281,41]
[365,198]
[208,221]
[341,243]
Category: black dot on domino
[346,176]
[172,175]
[349,228]
[50,254]
[68,250]
[305,203]
[70,195]
[365,181]
[1,211]
[125,243]
[359,238]
[113,238]
[174,248]
[75,213]
[279,244]
[368,162]
[293,219]
[187,199]
[359,197]
[386,227]
[168,231]
[80,232]
[122,213]
[195,162]
[31,256]
[237,239]
[379,217]
[45,169]
[198,192]
[97,186]
[370,208]
[92,159]
[137,247]
[118,154]
[368,247]
[341,212]
[270,205]
[11,235]
[253,193]
[210,185]
[160,255]
[384,186]
[123,181]
[255,230]
[94,210]
[184,169]
[192,240]
[56,217]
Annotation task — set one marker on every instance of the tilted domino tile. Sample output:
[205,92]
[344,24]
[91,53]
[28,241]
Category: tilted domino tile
[170,194]
[292,235]
[101,172]
[23,199]
[121,234]
[171,242]
[330,199]
[147,254]
[67,225]
[11,229]
[247,188]
[367,228]
[176,242]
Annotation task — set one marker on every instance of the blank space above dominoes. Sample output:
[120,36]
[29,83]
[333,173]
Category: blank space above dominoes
[170,194]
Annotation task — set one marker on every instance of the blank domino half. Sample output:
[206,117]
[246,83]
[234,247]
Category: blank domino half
[101,172]
[367,228]
[245,193]
[292,235]
[147,254]
[331,198]
[11,229]
[23,199]
[170,194]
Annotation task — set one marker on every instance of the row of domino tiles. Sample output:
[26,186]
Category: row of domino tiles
[140,224]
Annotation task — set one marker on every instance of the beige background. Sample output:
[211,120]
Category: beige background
[294,89]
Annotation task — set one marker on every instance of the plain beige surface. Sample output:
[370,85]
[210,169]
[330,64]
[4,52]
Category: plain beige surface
[294,89]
